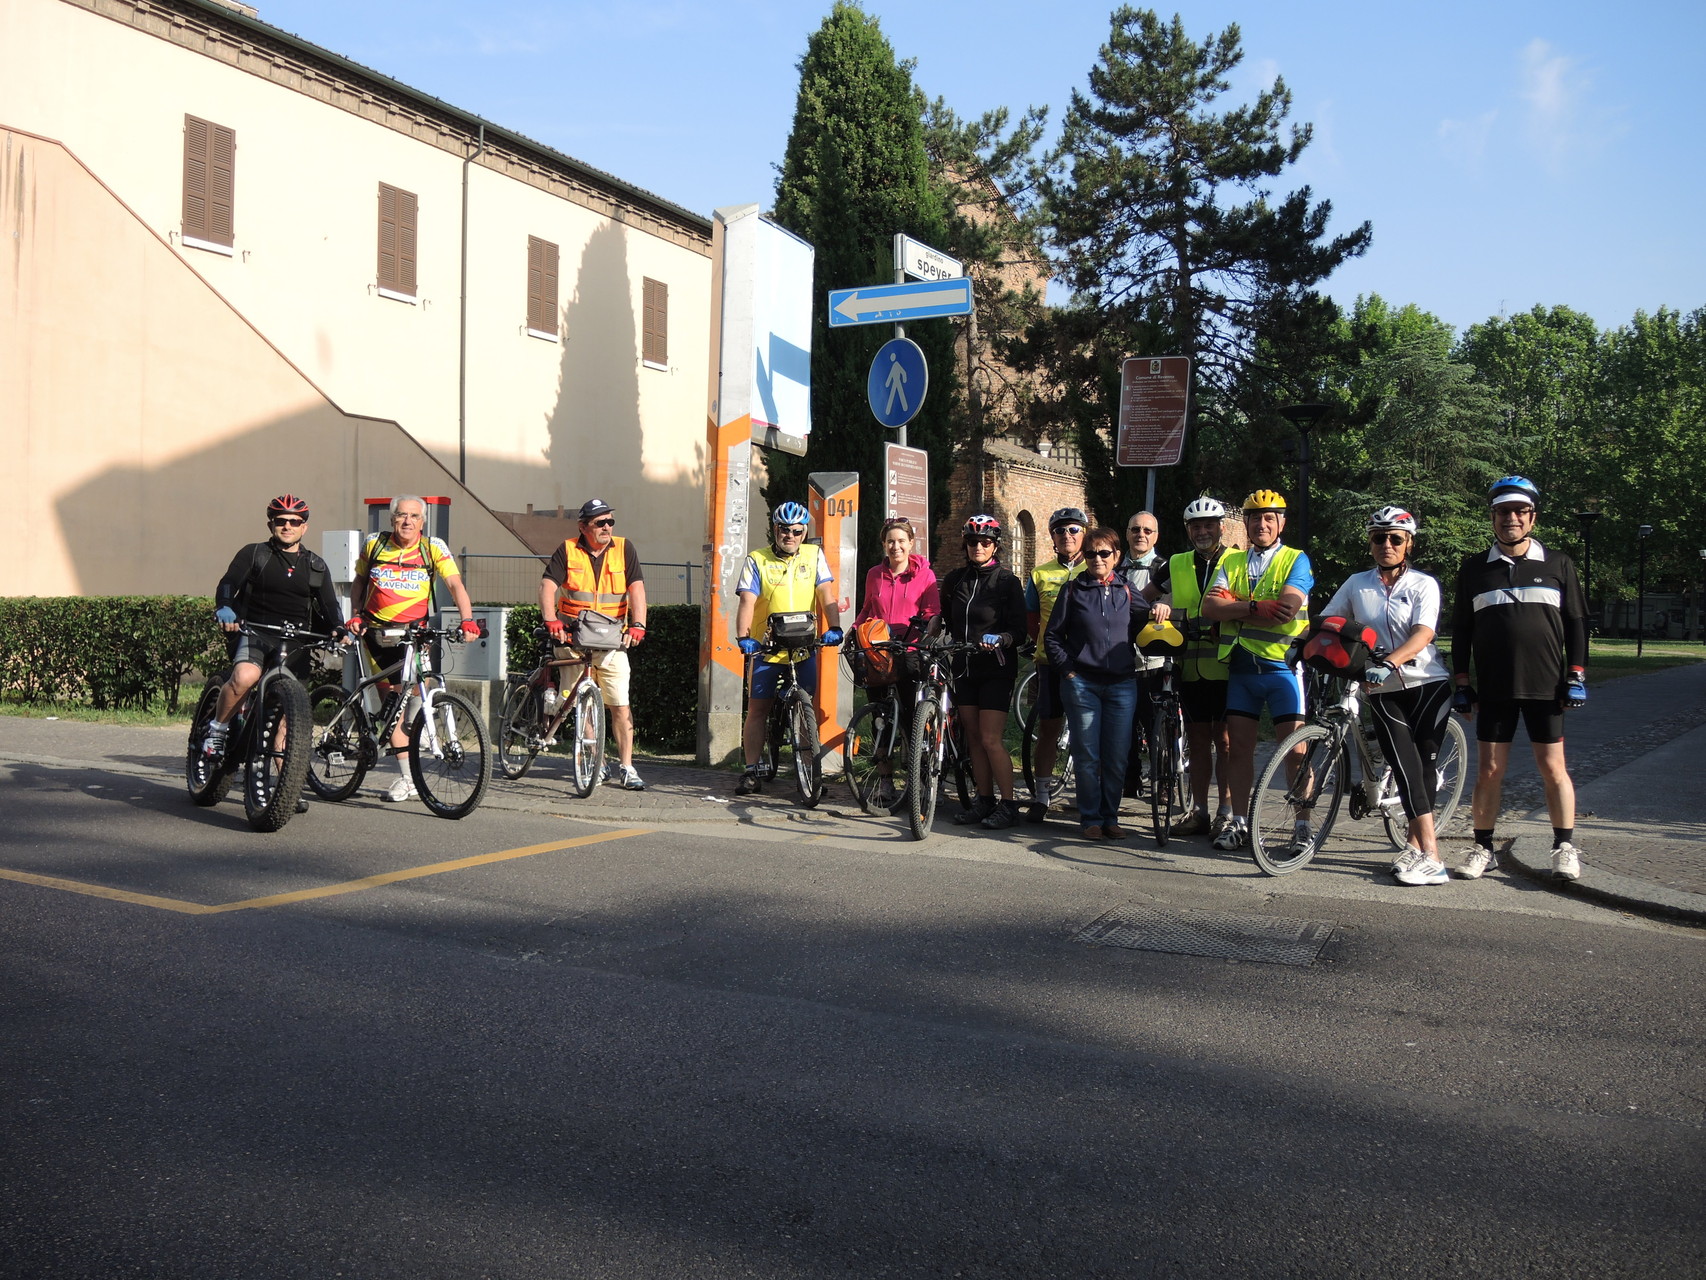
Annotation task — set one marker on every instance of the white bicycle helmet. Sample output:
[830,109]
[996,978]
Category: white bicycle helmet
[1393,518]
[1205,508]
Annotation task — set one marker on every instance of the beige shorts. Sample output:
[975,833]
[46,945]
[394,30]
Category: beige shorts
[609,672]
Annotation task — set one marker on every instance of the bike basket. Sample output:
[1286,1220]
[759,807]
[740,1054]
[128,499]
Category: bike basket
[873,665]
[1339,647]
[793,628]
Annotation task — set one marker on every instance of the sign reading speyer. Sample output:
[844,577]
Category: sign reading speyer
[906,487]
[1155,396]
[899,303]
[921,262]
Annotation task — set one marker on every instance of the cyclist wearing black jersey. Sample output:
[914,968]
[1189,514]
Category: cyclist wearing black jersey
[272,582]
[1522,617]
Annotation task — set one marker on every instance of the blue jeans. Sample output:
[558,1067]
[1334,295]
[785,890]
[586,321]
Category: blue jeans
[1098,718]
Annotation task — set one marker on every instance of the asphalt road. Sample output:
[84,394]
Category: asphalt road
[799,1046]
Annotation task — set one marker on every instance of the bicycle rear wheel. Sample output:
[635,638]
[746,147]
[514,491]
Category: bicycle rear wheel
[959,757]
[341,754]
[208,777]
[873,740]
[519,730]
[802,737]
[1452,766]
[280,743]
[1061,776]
[1166,794]
[924,764]
[586,724]
[451,765]
[1311,791]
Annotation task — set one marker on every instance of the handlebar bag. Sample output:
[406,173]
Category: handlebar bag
[1339,647]
[595,630]
[793,628]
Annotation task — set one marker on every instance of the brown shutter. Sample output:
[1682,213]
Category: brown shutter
[195,177]
[221,184]
[654,348]
[398,213]
[541,285]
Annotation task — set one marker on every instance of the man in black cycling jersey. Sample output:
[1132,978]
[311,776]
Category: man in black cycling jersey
[271,582]
[1522,617]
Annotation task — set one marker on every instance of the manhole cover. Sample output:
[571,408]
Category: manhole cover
[1224,935]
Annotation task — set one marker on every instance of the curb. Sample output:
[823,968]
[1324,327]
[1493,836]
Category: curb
[1604,886]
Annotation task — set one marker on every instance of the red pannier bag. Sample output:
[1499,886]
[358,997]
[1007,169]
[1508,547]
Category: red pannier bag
[1339,647]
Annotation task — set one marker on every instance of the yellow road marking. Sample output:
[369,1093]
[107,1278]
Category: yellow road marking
[304,895]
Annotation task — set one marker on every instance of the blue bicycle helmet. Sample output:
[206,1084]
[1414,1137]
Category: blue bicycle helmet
[1513,489]
[790,513]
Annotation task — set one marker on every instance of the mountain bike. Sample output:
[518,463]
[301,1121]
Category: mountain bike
[935,748]
[878,736]
[1332,757]
[1060,780]
[531,724]
[793,719]
[448,756]
[269,737]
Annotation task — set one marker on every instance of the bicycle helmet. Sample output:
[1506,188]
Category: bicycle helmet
[791,513]
[1265,500]
[981,526]
[1205,508]
[1513,489]
[1068,515]
[1393,518]
[287,504]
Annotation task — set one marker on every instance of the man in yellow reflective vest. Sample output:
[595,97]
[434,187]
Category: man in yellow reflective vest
[1184,580]
[600,571]
[789,576]
[1066,529]
[1260,598]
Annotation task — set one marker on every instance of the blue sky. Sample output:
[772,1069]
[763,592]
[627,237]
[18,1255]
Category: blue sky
[1508,153]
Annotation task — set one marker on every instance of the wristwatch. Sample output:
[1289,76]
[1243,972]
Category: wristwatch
[1252,606]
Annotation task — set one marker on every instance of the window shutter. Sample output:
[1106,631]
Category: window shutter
[408,208]
[221,184]
[654,348]
[195,178]
[541,285]
[398,212]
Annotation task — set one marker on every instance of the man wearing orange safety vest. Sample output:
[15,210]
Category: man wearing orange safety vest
[599,571]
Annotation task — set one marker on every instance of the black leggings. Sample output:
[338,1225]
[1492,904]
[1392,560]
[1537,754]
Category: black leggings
[1410,724]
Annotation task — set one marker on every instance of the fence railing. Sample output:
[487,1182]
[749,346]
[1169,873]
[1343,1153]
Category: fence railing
[515,579]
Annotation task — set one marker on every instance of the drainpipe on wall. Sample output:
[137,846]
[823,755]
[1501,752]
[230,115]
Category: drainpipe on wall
[462,329]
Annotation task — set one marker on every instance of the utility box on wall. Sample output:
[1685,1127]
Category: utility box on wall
[484,659]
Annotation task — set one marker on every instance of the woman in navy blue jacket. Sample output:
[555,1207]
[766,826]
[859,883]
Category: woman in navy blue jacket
[1089,639]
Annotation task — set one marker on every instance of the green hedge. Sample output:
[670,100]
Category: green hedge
[665,686]
[108,651]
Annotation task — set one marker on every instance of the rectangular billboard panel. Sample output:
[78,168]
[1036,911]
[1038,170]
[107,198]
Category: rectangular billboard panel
[1155,398]
[764,366]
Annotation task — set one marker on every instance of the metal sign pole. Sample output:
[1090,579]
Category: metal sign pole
[899,329]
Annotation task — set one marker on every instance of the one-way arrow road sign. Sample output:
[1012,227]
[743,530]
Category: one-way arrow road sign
[899,303]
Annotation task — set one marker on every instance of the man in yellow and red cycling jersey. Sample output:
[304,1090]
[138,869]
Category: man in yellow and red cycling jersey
[598,570]
[393,587]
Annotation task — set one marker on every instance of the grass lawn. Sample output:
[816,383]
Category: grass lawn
[1613,659]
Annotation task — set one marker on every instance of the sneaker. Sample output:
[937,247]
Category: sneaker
[1566,862]
[1477,861]
[302,804]
[750,784]
[1425,871]
[1408,859]
[1221,818]
[612,771]
[629,779]
[1035,813]
[401,790]
[1197,824]
[980,809]
[1233,835]
[1005,814]
[214,743]
[1113,831]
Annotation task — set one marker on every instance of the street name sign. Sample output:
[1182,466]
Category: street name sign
[1155,396]
[899,303]
[897,382]
[921,262]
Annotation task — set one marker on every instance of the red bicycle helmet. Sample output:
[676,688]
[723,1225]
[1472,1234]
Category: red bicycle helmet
[982,527]
[287,504]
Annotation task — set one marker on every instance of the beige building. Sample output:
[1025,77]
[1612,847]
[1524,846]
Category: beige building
[234,264]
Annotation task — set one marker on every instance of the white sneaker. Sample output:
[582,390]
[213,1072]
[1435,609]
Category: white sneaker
[1221,818]
[401,790]
[1233,835]
[630,780]
[214,743]
[1477,861]
[1566,863]
[1408,859]
[1426,871]
[550,700]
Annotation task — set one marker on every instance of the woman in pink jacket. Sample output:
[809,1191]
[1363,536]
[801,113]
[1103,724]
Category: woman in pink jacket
[903,585]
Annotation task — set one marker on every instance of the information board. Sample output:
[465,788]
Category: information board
[1155,397]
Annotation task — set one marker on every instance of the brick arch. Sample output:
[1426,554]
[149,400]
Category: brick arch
[1024,554]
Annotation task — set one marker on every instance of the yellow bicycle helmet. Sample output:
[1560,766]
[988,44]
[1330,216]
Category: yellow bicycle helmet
[1157,638]
[1265,500]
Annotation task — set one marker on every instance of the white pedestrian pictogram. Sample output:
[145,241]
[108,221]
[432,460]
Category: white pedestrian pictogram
[896,384]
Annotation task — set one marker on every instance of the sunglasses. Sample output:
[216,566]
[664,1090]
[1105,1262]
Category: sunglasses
[1073,529]
[286,522]
[981,541]
[1515,511]
[797,530]
[604,523]
[1388,539]
[1104,554]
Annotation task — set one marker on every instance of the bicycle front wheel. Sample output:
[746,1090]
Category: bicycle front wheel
[1297,799]
[872,742]
[208,777]
[924,766]
[1166,733]
[586,724]
[339,758]
[1452,768]
[519,731]
[802,737]
[279,747]
[448,756]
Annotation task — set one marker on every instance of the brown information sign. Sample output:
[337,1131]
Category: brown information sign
[906,486]
[1155,393]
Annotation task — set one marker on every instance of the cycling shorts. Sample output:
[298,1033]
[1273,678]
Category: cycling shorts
[1203,701]
[766,674]
[1542,717]
[260,649]
[1252,686]
[1049,704]
[986,692]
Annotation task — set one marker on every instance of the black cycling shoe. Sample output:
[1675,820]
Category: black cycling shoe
[1035,812]
[302,804]
[1004,815]
[980,809]
[750,784]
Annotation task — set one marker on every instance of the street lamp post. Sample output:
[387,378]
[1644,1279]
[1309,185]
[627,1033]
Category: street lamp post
[1700,602]
[1642,534]
[1587,518]
[1303,417]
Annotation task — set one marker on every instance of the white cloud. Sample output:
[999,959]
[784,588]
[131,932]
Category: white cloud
[1563,122]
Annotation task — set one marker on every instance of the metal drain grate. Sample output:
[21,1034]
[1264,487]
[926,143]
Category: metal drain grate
[1222,934]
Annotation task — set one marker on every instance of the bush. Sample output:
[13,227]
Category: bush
[108,651]
[665,685]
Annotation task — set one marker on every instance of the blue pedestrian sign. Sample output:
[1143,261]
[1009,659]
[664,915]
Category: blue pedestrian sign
[899,303]
[897,383]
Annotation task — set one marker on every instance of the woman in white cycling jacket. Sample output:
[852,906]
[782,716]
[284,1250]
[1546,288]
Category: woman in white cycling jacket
[1410,690]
